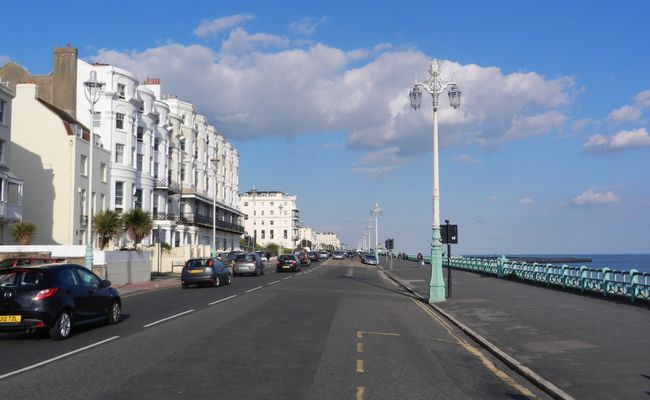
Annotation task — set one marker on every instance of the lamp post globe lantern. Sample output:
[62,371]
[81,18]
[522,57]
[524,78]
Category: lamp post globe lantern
[92,90]
[435,86]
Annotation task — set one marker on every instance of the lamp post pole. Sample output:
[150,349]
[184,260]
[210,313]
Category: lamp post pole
[215,169]
[254,193]
[375,211]
[369,230]
[281,207]
[435,86]
[92,88]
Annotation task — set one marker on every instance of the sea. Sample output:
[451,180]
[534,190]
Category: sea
[616,262]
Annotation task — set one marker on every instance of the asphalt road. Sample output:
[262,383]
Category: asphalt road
[338,330]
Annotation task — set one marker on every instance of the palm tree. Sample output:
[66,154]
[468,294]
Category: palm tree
[107,225]
[137,224]
[23,232]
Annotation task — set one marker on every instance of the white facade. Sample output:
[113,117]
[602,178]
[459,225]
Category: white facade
[271,217]
[11,187]
[51,152]
[326,240]
[161,160]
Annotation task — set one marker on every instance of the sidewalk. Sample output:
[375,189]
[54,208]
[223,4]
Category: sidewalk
[156,282]
[589,347]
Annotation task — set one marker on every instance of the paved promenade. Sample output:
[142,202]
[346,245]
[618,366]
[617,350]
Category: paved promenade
[591,348]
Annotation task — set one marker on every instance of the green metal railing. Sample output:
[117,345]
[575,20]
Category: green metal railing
[631,284]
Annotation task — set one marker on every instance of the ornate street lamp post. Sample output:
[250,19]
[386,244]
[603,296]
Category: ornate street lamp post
[435,85]
[215,169]
[92,92]
[375,211]
[254,193]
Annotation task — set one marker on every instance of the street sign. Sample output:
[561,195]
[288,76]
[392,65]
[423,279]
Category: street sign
[453,234]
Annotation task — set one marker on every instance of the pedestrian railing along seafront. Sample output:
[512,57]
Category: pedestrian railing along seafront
[631,284]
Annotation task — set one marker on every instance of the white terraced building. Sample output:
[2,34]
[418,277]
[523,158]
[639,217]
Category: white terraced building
[271,217]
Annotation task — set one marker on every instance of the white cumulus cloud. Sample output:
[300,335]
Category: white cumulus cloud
[631,112]
[620,141]
[307,26]
[593,198]
[526,200]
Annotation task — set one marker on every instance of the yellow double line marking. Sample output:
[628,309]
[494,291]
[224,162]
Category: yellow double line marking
[476,352]
[361,391]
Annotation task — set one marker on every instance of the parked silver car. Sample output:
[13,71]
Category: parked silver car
[248,264]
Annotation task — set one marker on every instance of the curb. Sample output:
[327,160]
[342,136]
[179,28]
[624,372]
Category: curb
[510,361]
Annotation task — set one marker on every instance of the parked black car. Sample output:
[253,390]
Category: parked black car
[55,297]
[205,271]
[313,256]
[287,262]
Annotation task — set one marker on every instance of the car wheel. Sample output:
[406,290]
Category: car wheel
[61,328]
[257,272]
[114,313]
[228,280]
[217,282]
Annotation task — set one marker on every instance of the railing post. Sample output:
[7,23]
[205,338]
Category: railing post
[500,264]
[583,278]
[634,281]
[604,286]
[565,275]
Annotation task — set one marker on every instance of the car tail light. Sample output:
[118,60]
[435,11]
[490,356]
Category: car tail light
[45,293]
[293,262]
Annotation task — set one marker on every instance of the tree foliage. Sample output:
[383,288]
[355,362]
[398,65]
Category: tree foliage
[108,225]
[137,224]
[23,232]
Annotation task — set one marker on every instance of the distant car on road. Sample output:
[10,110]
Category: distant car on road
[288,262]
[369,259]
[313,256]
[338,255]
[303,257]
[205,271]
[248,264]
[56,298]
[323,254]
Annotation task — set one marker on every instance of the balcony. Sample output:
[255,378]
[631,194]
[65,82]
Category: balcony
[164,184]
[10,212]
[196,219]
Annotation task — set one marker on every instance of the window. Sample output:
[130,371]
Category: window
[155,170]
[102,197]
[119,153]
[139,162]
[271,223]
[133,158]
[156,144]
[119,121]
[245,204]
[121,91]
[3,108]
[137,201]
[102,172]
[2,151]
[263,234]
[119,194]
[271,234]
[271,212]
[182,173]
[87,277]
[140,131]
[285,234]
[84,165]
[97,119]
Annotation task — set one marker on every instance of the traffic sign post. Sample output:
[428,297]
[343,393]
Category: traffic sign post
[449,236]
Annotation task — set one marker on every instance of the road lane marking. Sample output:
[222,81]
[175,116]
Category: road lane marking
[272,283]
[253,289]
[168,318]
[40,364]
[361,333]
[489,365]
[361,391]
[219,301]
[360,366]
[288,277]
[359,347]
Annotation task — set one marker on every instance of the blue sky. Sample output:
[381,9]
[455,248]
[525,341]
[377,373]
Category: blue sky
[549,152]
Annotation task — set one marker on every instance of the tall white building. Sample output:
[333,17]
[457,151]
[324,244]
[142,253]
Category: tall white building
[326,240]
[271,217]
[162,156]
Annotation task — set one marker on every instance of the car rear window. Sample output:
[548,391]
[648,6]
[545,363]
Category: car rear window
[245,257]
[20,278]
[196,263]
[285,258]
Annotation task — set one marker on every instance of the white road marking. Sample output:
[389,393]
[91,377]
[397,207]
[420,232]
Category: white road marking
[288,277]
[253,289]
[219,301]
[20,371]
[272,283]
[168,318]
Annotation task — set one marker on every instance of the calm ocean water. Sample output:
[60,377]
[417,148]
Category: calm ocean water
[618,262]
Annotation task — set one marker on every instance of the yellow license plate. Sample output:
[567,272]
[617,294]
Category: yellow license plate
[10,318]
[286,266]
[196,271]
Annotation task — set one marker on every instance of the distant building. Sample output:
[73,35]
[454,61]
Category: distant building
[271,217]
[327,240]
[11,186]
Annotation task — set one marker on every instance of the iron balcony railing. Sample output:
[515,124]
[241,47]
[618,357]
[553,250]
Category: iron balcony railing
[164,184]
[632,284]
[197,219]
